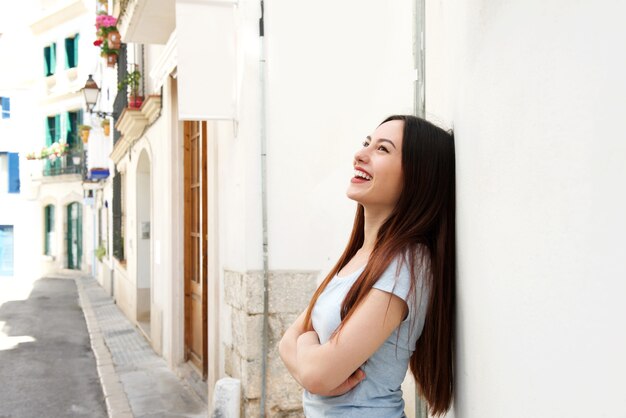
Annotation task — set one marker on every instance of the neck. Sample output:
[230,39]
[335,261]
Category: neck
[374,218]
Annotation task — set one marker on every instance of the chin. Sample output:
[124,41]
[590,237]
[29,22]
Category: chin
[353,196]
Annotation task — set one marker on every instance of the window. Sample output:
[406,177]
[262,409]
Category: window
[48,229]
[50,59]
[72,120]
[6,250]
[53,134]
[71,52]
[5,102]
[9,172]
[118,216]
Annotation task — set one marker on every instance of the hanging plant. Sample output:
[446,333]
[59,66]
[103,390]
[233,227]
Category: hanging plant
[109,40]
[84,132]
[106,126]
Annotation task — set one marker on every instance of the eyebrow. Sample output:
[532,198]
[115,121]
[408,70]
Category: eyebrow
[382,139]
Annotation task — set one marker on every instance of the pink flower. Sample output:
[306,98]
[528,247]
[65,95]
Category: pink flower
[105,21]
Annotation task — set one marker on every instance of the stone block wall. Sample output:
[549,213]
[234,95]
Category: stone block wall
[289,294]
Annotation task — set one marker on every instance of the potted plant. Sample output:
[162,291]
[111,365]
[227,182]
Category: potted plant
[109,39]
[84,132]
[106,126]
[100,252]
[132,81]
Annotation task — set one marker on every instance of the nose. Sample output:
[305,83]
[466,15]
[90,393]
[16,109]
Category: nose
[361,156]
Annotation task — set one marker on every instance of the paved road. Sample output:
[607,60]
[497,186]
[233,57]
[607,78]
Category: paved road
[47,368]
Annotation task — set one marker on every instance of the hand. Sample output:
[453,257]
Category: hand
[357,377]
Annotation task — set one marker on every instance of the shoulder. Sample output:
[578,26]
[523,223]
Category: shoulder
[408,270]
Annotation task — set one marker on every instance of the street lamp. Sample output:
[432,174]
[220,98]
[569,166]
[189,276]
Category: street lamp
[91,91]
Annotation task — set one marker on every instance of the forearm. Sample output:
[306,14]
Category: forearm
[288,346]
[318,368]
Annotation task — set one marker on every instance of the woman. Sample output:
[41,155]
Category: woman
[389,300]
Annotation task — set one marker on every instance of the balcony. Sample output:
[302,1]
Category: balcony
[71,163]
[146,21]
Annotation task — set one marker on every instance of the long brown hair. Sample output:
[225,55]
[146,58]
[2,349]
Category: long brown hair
[424,217]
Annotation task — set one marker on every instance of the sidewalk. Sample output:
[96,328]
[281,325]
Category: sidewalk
[136,382]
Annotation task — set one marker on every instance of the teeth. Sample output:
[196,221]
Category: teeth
[359,173]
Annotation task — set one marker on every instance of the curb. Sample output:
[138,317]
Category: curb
[115,398]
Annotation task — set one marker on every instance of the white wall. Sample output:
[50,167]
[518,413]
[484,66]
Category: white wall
[535,91]
[335,71]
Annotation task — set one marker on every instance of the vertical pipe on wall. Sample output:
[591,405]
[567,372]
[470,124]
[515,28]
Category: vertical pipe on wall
[419,49]
[263,139]
[419,55]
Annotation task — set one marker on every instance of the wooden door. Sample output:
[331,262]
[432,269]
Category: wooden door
[195,245]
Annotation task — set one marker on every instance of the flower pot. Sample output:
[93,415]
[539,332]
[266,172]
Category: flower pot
[76,160]
[84,134]
[107,129]
[135,102]
[111,60]
[115,40]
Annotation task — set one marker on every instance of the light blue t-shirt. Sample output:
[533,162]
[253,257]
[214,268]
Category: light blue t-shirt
[379,395]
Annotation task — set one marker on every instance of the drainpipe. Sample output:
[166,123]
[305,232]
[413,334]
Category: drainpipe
[419,55]
[262,126]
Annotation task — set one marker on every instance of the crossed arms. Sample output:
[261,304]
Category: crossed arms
[332,368]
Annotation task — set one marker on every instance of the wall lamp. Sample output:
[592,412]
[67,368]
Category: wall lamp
[91,91]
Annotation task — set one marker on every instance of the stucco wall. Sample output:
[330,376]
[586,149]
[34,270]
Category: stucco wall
[534,91]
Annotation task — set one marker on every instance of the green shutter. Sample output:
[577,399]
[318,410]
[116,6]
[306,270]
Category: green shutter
[49,127]
[69,52]
[46,61]
[68,127]
[53,58]
[76,50]
[57,128]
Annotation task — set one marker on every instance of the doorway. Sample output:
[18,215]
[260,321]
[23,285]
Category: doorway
[74,238]
[195,234]
[144,258]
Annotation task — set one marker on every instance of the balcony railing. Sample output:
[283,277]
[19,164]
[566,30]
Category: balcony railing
[66,164]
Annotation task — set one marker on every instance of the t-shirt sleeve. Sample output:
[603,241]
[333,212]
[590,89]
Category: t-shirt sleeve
[395,279]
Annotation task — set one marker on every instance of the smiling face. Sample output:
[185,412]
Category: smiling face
[377,180]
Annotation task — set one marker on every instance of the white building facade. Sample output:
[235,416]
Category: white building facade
[229,180]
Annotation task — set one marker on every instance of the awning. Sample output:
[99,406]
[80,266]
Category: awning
[206,59]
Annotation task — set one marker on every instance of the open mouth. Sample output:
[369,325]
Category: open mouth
[361,176]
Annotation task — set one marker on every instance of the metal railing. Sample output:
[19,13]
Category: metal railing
[66,164]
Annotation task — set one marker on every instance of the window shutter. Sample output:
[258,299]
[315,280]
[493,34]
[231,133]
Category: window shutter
[69,52]
[53,58]
[49,130]
[67,121]
[14,172]
[46,61]
[6,107]
[57,128]
[76,50]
